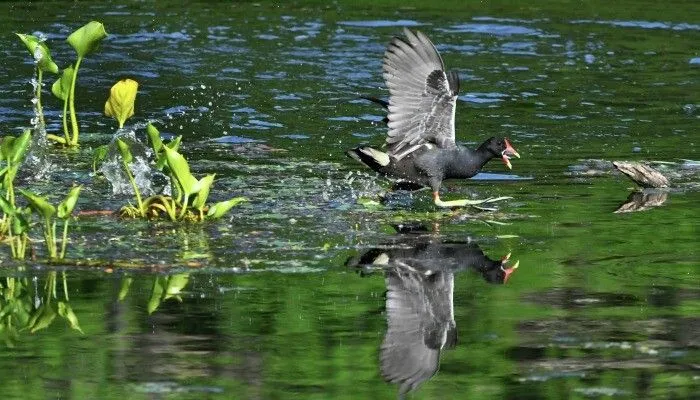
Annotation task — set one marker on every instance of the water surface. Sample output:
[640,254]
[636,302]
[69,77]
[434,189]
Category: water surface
[268,303]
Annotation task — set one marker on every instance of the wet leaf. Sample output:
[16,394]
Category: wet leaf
[124,151]
[203,187]
[120,104]
[154,138]
[219,209]
[13,148]
[61,88]
[39,204]
[178,165]
[40,52]
[86,38]
[65,208]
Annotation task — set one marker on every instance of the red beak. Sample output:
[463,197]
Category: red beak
[508,271]
[508,153]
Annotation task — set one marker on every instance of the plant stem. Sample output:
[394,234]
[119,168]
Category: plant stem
[65,237]
[136,189]
[71,97]
[39,110]
[65,121]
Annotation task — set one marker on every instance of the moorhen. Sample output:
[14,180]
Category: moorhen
[421,148]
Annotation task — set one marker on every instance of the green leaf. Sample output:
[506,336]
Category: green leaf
[124,151]
[178,165]
[86,39]
[6,147]
[20,224]
[39,204]
[61,88]
[40,52]
[173,145]
[204,185]
[154,137]
[65,208]
[6,206]
[20,146]
[120,104]
[99,155]
[219,209]
[13,148]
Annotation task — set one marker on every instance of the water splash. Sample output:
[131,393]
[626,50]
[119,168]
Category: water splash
[144,174]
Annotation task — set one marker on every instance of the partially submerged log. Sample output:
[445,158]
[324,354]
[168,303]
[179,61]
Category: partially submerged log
[642,174]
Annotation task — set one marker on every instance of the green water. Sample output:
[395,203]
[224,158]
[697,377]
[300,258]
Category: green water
[262,303]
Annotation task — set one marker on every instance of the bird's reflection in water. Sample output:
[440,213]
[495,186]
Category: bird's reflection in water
[419,273]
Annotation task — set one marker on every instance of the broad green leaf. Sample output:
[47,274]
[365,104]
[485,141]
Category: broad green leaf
[61,88]
[39,204]
[40,52]
[178,165]
[154,137]
[86,39]
[219,209]
[65,208]
[162,160]
[124,151]
[120,104]
[19,147]
[204,185]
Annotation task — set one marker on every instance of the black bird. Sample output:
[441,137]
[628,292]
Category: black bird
[421,146]
[419,275]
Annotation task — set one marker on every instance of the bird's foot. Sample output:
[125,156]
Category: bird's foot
[465,202]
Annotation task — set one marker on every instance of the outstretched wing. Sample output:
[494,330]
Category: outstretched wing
[422,95]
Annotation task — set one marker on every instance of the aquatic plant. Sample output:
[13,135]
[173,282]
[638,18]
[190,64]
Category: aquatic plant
[44,63]
[49,213]
[15,220]
[84,41]
[120,104]
[190,193]
[61,89]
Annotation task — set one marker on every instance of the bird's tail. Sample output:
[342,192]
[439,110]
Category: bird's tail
[369,156]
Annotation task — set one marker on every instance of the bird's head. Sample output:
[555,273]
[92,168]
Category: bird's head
[501,147]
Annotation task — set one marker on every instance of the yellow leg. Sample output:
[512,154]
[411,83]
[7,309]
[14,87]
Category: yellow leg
[464,202]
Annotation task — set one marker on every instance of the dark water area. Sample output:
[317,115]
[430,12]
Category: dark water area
[306,292]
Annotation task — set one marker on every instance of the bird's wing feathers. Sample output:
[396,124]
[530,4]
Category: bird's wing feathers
[422,95]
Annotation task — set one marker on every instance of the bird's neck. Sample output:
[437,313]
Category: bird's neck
[467,162]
